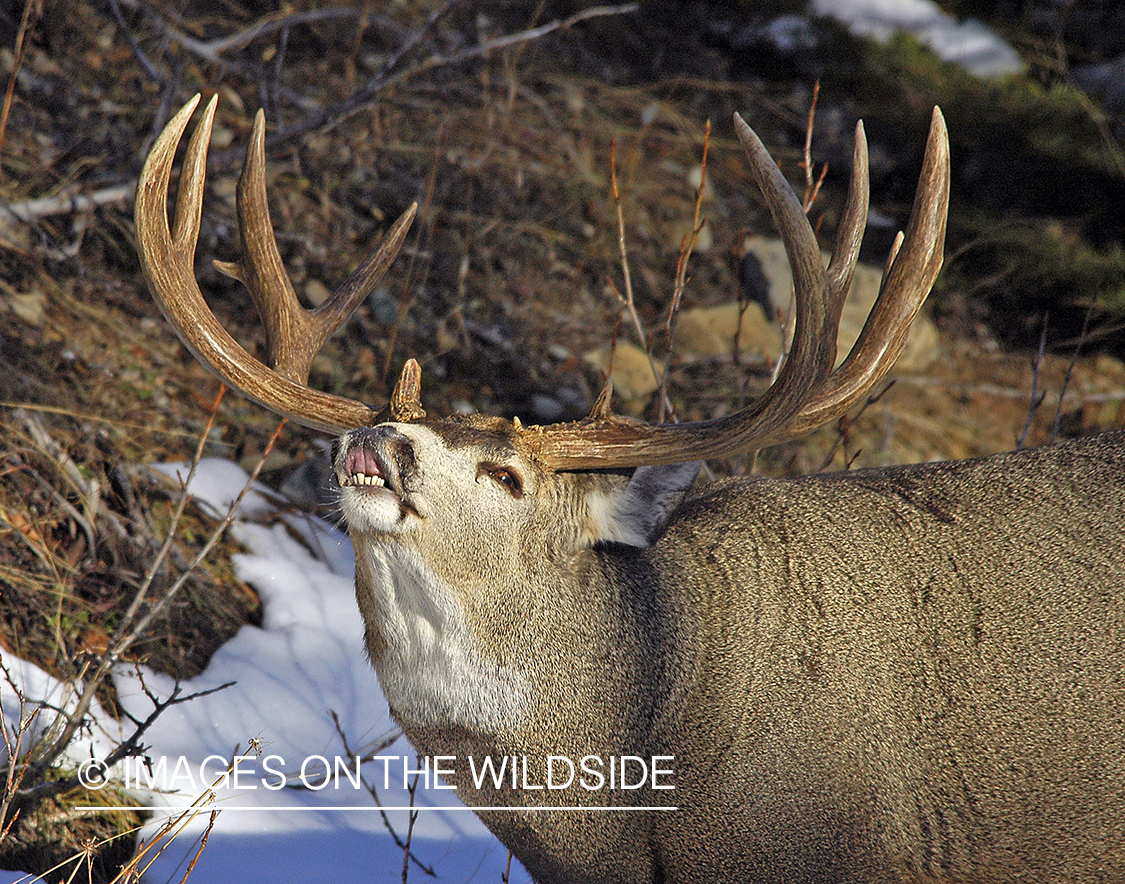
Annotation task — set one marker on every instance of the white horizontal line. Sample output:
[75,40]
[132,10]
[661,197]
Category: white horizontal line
[219,806]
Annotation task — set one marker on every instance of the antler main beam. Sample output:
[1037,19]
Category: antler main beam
[293,334]
[802,398]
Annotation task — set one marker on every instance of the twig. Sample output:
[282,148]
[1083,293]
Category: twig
[1036,397]
[216,535]
[687,244]
[374,793]
[74,203]
[1082,337]
[131,746]
[627,300]
[844,424]
[412,818]
[175,826]
[214,50]
[342,110]
[202,846]
[115,652]
[14,773]
[623,251]
[138,53]
[812,189]
[18,51]
[392,60]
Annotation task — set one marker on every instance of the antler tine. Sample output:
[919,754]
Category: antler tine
[800,399]
[616,442]
[912,267]
[294,335]
[167,259]
[853,223]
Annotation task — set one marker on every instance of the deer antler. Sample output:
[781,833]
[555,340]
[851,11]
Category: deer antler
[293,334]
[912,267]
[802,398]
[806,394]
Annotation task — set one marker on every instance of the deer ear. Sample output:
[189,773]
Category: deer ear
[636,512]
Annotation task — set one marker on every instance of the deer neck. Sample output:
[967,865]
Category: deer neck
[435,670]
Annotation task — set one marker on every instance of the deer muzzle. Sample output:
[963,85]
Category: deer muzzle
[373,459]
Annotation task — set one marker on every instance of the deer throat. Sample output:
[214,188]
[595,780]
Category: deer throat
[433,669]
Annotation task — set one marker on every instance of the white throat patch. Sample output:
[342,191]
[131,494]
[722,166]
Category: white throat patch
[431,669]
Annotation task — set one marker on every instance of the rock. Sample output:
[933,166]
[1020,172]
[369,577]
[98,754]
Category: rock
[632,375]
[708,332]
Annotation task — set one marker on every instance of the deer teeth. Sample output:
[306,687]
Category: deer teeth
[364,479]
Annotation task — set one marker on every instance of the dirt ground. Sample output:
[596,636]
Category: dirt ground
[501,121]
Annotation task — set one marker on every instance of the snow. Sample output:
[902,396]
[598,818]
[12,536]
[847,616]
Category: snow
[290,676]
[968,43]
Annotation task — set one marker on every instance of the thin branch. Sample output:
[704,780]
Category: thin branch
[214,50]
[394,58]
[411,819]
[623,251]
[844,425]
[812,189]
[115,652]
[18,51]
[627,300]
[134,46]
[174,826]
[1082,338]
[127,748]
[359,99]
[1036,396]
[73,203]
[202,846]
[374,793]
[687,244]
[14,772]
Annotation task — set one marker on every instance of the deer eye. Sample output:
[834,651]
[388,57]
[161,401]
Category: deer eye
[505,476]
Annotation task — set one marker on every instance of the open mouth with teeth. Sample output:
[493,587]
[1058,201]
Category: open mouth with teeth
[362,467]
[369,469]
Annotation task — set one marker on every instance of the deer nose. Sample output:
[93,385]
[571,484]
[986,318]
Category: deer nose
[381,436]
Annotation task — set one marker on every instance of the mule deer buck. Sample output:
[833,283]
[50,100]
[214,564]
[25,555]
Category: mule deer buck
[902,674]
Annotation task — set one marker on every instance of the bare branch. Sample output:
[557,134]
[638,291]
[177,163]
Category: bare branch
[342,110]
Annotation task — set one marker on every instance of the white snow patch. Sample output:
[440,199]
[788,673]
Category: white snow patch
[967,43]
[305,663]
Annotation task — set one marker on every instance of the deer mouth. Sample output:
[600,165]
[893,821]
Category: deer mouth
[364,467]
[374,466]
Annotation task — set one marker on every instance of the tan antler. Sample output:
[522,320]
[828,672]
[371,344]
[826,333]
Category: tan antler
[802,398]
[293,334]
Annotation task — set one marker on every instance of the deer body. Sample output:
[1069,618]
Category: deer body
[898,675]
